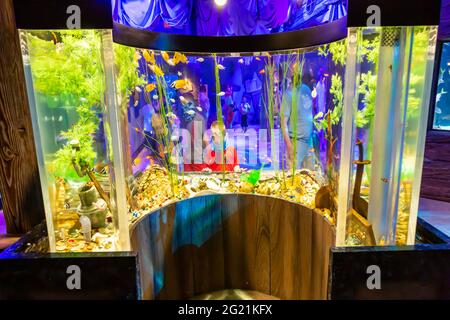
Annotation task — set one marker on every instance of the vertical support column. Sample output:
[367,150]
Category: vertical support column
[349,109]
[19,178]
[115,150]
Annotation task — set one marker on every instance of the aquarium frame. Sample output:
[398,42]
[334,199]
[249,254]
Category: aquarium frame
[293,40]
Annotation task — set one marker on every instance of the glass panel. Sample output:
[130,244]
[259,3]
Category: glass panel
[263,123]
[389,118]
[442,104]
[68,93]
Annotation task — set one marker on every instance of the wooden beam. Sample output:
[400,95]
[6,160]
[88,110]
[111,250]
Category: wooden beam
[19,178]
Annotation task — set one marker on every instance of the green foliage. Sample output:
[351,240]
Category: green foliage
[368,90]
[73,67]
[127,74]
[335,114]
[253,176]
[337,50]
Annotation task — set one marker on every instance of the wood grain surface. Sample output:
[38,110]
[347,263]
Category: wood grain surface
[19,179]
[246,242]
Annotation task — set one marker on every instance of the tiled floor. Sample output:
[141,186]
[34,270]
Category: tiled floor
[436,213]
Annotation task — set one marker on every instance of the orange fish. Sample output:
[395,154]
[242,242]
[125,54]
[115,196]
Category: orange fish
[137,161]
[179,57]
[149,56]
[156,70]
[262,71]
[181,84]
[150,87]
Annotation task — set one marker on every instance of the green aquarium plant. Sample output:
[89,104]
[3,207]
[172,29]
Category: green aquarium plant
[67,65]
[253,176]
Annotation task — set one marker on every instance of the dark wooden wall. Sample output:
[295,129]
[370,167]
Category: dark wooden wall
[247,242]
[19,179]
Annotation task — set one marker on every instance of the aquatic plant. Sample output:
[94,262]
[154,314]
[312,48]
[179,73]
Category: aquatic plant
[219,110]
[70,64]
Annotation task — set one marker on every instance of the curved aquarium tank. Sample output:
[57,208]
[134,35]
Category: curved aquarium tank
[331,118]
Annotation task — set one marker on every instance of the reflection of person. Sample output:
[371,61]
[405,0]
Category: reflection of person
[229,107]
[297,124]
[245,109]
[218,146]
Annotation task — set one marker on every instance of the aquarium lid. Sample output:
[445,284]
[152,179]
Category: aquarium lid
[395,13]
[300,39]
[63,14]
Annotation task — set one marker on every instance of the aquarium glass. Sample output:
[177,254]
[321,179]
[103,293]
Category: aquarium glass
[385,129]
[442,99]
[267,123]
[71,92]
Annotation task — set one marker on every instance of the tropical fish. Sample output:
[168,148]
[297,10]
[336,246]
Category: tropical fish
[190,112]
[172,100]
[183,100]
[171,115]
[200,60]
[138,89]
[156,70]
[221,94]
[181,84]
[137,161]
[262,71]
[155,97]
[179,57]
[149,56]
[314,93]
[166,58]
[136,129]
[150,87]
[220,67]
[258,59]
[199,109]
[241,61]
[179,73]
[83,99]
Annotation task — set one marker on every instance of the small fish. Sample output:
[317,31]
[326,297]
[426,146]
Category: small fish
[171,115]
[136,129]
[190,112]
[258,59]
[199,109]
[156,70]
[179,57]
[183,100]
[262,71]
[181,84]
[221,94]
[220,67]
[148,157]
[165,56]
[83,99]
[172,100]
[150,87]
[149,56]
[138,89]
[155,97]
[314,93]
[241,61]
[137,161]
[200,60]
[60,118]
[179,73]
